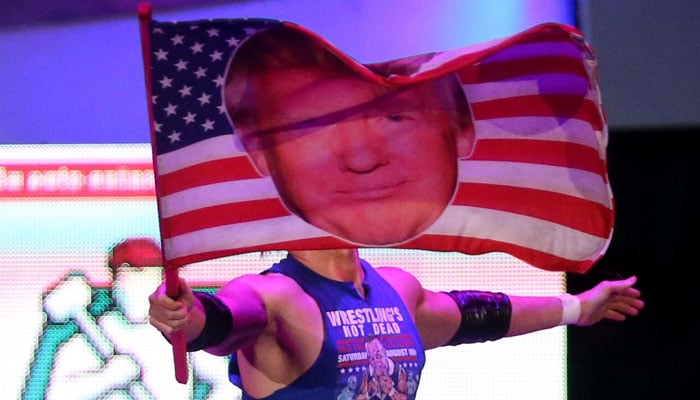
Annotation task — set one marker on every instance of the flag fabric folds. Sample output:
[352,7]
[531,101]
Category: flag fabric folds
[535,185]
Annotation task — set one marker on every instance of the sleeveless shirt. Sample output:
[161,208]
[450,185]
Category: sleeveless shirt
[367,341]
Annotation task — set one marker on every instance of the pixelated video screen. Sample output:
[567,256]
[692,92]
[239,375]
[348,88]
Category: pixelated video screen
[73,331]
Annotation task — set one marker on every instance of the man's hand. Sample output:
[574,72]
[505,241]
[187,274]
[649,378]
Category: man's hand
[614,300]
[169,314]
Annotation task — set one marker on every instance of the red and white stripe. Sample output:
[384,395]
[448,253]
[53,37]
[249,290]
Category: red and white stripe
[535,187]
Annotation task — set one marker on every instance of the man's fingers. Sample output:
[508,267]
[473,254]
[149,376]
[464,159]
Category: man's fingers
[615,315]
[168,320]
[625,305]
[630,298]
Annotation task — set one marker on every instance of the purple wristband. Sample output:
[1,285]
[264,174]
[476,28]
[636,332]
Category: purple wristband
[217,325]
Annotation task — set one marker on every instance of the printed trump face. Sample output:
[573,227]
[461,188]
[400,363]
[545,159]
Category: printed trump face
[370,164]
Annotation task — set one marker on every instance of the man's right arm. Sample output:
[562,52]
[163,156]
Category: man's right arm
[220,323]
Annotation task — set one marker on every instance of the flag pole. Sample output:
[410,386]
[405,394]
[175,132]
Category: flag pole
[172,288]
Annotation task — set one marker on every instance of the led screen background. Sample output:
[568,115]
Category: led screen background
[65,206]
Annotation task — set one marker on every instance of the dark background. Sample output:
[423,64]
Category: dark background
[656,355]
[649,64]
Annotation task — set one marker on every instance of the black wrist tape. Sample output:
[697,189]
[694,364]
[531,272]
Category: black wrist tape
[217,325]
[485,316]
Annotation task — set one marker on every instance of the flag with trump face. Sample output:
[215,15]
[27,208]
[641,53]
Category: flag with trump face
[268,137]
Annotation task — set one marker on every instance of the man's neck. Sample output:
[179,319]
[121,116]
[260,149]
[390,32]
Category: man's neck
[337,264]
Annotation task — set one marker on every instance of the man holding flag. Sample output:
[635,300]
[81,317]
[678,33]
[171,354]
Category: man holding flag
[534,186]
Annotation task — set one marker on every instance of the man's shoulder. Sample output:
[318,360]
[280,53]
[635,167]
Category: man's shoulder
[398,278]
[270,285]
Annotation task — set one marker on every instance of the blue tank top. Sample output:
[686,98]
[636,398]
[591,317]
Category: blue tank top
[371,344]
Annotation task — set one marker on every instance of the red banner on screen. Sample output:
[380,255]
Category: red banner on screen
[76,180]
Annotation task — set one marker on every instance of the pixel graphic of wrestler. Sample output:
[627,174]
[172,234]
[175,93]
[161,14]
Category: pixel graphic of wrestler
[97,342]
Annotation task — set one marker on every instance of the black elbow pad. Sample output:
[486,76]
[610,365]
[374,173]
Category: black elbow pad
[485,316]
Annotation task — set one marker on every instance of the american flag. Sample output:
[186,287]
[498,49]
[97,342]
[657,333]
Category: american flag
[536,186]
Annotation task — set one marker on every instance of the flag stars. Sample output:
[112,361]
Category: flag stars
[250,31]
[197,48]
[181,65]
[161,55]
[188,73]
[208,125]
[189,118]
[177,39]
[204,99]
[174,137]
[216,56]
[170,109]
[201,72]
[185,91]
[165,82]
